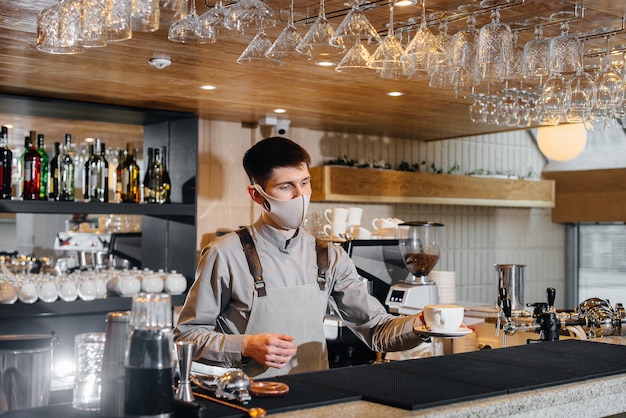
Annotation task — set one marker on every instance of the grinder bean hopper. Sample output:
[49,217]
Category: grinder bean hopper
[420,244]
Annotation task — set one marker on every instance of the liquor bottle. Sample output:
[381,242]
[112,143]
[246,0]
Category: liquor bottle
[157,186]
[131,187]
[66,171]
[53,172]
[86,172]
[97,174]
[6,158]
[104,175]
[147,191]
[31,186]
[20,167]
[121,157]
[167,184]
[43,192]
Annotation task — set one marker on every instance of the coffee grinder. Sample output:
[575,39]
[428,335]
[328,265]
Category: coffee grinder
[419,245]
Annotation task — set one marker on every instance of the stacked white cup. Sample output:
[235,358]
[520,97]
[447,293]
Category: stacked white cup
[446,285]
[342,220]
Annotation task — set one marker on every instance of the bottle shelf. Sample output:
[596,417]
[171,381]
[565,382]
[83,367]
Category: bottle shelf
[43,206]
[349,184]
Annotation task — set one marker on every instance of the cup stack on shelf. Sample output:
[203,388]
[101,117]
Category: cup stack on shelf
[86,285]
[446,285]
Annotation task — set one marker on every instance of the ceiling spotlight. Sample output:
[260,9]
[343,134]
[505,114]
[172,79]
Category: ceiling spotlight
[395,93]
[208,87]
[403,3]
[160,62]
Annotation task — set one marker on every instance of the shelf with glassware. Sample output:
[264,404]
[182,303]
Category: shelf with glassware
[350,184]
[168,229]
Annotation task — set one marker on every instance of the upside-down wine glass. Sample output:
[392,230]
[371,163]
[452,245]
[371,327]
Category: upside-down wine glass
[387,58]
[185,29]
[581,95]
[246,15]
[284,47]
[416,52]
[318,37]
[256,51]
[355,27]
[609,89]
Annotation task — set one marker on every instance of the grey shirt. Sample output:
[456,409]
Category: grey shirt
[217,308]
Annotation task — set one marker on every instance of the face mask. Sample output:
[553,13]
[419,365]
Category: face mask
[288,214]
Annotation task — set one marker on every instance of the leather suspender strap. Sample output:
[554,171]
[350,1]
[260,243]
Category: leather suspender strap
[321,248]
[254,264]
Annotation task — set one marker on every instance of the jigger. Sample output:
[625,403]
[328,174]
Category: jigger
[184,350]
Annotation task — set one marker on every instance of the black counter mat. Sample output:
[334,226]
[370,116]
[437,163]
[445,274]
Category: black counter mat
[576,360]
[395,387]
[428,382]
[478,372]
[301,395]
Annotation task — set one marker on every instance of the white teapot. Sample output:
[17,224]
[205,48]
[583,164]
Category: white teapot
[175,283]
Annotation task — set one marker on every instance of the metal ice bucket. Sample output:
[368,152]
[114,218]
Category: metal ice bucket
[25,371]
[510,277]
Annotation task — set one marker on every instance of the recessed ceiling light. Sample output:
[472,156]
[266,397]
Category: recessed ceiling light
[279,110]
[208,87]
[89,140]
[325,64]
[9,126]
[403,3]
[395,93]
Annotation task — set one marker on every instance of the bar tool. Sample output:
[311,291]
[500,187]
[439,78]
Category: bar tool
[184,350]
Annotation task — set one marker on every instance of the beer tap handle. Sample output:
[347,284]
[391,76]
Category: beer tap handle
[506,308]
[502,295]
[551,294]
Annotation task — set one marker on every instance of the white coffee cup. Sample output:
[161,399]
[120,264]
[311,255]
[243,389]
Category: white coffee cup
[339,215]
[359,232]
[354,216]
[335,230]
[384,223]
[443,317]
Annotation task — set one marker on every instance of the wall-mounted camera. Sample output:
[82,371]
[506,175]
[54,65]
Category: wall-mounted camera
[282,126]
[268,122]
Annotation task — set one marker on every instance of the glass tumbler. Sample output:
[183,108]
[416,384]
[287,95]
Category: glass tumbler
[495,49]
[88,354]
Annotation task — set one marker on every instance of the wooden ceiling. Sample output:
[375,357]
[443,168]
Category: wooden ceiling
[315,97]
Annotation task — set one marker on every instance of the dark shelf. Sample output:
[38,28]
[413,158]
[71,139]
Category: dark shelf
[34,206]
[77,307]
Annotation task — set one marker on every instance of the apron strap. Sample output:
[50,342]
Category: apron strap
[254,264]
[321,248]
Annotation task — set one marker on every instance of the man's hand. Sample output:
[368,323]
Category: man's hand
[271,350]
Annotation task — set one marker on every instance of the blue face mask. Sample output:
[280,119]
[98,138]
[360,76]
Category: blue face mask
[288,214]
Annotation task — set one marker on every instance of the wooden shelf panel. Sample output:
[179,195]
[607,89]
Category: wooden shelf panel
[589,195]
[348,184]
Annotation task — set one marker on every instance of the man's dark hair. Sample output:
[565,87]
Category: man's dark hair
[270,153]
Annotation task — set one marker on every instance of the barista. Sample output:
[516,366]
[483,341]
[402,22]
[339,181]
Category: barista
[262,309]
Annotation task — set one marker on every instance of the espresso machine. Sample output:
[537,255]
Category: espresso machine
[97,250]
[419,245]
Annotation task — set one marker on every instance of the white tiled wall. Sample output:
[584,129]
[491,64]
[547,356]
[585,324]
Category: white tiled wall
[476,237]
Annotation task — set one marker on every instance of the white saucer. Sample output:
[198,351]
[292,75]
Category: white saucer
[460,332]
